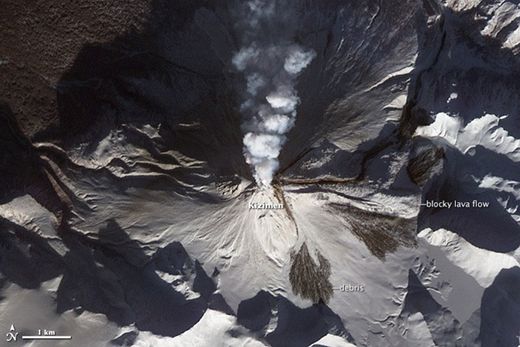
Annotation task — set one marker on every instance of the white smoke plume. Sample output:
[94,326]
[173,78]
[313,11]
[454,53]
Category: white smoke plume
[271,62]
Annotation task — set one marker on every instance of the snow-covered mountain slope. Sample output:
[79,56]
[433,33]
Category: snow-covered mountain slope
[132,218]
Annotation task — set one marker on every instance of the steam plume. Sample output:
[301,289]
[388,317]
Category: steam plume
[271,62]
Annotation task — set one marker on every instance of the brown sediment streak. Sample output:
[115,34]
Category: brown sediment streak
[320,180]
[308,278]
[278,182]
[280,196]
[381,233]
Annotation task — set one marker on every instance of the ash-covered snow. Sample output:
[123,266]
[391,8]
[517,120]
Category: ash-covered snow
[136,222]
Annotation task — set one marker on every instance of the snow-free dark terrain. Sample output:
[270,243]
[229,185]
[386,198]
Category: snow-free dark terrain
[150,197]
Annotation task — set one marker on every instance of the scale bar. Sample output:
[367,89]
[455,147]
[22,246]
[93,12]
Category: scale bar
[44,337]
